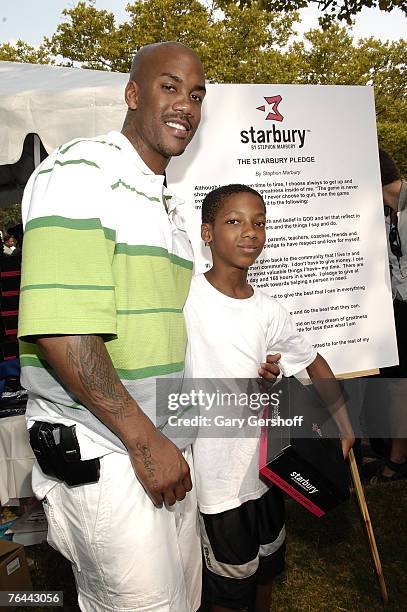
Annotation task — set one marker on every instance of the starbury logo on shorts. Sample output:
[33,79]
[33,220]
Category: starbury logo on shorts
[273,114]
[274,137]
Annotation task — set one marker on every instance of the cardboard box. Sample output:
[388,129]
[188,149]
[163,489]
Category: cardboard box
[305,461]
[14,574]
[31,528]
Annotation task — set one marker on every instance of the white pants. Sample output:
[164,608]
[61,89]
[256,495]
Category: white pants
[126,553]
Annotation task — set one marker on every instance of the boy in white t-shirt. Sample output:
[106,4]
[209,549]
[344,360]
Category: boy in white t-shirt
[232,327]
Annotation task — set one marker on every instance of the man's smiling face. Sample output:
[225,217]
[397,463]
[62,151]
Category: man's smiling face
[166,97]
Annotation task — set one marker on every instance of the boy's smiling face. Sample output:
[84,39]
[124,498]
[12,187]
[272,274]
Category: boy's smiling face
[238,233]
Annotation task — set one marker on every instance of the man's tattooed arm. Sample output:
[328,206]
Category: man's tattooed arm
[87,357]
[84,367]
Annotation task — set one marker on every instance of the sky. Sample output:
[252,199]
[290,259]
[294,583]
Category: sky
[32,20]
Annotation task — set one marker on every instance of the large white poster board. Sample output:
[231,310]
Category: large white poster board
[312,152]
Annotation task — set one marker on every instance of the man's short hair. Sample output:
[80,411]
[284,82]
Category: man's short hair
[388,169]
[214,199]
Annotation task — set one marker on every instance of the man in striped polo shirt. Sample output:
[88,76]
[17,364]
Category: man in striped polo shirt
[99,326]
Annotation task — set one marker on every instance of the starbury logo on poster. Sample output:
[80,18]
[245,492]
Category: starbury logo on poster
[274,137]
[273,114]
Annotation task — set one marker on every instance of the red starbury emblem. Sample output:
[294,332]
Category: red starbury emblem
[274,114]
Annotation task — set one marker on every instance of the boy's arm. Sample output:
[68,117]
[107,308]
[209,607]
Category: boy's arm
[320,372]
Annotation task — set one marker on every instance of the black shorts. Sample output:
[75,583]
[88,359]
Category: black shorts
[242,547]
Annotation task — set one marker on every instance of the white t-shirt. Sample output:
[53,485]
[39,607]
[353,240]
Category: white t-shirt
[228,339]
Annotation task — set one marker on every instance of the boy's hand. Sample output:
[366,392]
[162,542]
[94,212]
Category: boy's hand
[270,370]
[331,394]
[347,444]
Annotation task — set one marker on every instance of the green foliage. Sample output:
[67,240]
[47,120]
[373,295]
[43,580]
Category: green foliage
[387,65]
[234,44]
[332,58]
[89,36]
[243,46]
[333,10]
[157,20]
[22,52]
[10,216]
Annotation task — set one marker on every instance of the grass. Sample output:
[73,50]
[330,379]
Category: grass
[328,559]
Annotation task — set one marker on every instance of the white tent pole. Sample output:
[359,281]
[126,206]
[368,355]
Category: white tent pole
[37,150]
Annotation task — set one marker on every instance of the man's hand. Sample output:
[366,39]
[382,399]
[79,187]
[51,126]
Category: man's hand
[84,367]
[159,465]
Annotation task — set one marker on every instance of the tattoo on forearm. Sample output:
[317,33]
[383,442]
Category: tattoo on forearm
[87,357]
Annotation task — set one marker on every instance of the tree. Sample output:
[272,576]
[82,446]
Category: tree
[10,216]
[332,58]
[236,44]
[22,52]
[89,37]
[245,46]
[333,10]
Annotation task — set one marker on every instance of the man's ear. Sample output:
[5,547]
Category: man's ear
[131,94]
[206,233]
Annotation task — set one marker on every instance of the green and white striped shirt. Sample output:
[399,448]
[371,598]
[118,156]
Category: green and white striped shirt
[104,253]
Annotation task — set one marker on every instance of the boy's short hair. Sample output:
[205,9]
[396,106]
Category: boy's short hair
[388,169]
[214,199]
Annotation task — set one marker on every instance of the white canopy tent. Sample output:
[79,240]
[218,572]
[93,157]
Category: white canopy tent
[42,107]
[56,104]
